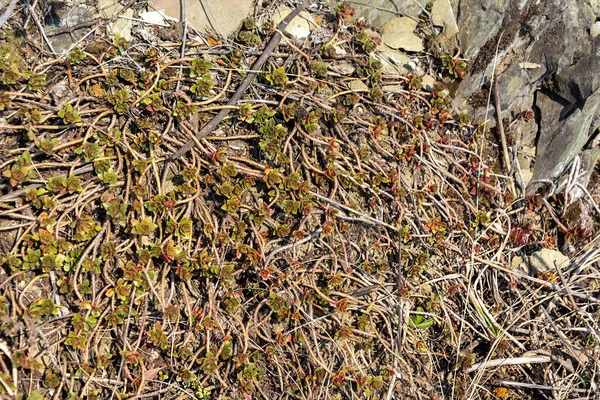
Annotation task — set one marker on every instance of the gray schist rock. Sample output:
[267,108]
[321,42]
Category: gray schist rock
[478,22]
[443,14]
[546,60]
[65,17]
[560,141]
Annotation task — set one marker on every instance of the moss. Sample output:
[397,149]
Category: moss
[440,45]
[10,54]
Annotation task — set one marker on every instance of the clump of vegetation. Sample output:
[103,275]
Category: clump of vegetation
[353,238]
[11,58]
[455,66]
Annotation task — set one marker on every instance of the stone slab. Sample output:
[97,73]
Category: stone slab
[221,16]
[299,27]
[443,15]
[399,33]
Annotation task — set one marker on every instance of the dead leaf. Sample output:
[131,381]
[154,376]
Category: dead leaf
[151,374]
[213,42]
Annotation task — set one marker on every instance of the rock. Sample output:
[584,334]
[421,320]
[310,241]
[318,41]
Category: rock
[339,51]
[393,88]
[525,155]
[443,15]
[122,26]
[595,29]
[172,33]
[526,175]
[595,6]
[300,27]
[554,44]
[514,90]
[551,108]
[529,65]
[155,18]
[222,16]
[343,68]
[550,34]
[356,85]
[398,33]
[578,81]
[149,35]
[558,146]
[528,151]
[428,83]
[525,131]
[518,263]
[378,12]
[477,80]
[535,40]
[547,260]
[393,62]
[479,21]
[321,35]
[66,17]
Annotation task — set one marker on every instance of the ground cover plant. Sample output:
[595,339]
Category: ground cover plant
[318,243]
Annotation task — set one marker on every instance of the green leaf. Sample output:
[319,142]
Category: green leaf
[46,145]
[145,227]
[200,67]
[75,56]
[185,227]
[278,77]
[57,184]
[69,114]
[418,320]
[36,396]
[109,177]
[73,184]
[202,86]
